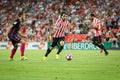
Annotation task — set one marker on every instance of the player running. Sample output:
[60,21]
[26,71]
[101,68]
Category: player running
[59,35]
[16,37]
[96,27]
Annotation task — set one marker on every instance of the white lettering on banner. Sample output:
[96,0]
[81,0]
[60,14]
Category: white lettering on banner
[3,45]
[43,46]
[83,46]
[86,46]
[74,46]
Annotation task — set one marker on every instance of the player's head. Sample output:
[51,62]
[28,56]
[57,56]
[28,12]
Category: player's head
[21,15]
[63,15]
[92,16]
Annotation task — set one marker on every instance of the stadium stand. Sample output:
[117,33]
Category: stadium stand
[41,13]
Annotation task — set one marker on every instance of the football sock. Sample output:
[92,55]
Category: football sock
[48,51]
[60,49]
[22,49]
[13,52]
[103,48]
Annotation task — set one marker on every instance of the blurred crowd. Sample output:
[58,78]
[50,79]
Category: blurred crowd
[42,14]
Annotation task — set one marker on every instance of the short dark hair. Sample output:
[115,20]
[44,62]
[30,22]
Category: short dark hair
[62,13]
[20,14]
[92,15]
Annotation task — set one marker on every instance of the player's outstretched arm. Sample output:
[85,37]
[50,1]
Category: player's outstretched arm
[8,30]
[25,36]
[92,27]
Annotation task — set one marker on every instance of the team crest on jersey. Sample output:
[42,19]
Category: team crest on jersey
[15,23]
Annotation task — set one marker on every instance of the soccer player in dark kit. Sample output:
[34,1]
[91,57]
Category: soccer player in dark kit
[16,36]
[59,35]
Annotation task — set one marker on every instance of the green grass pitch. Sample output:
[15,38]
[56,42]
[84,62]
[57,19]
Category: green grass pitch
[86,65]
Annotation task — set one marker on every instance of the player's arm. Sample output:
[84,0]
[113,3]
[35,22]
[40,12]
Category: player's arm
[56,28]
[8,30]
[57,25]
[10,27]
[103,26]
[92,27]
[68,27]
[23,35]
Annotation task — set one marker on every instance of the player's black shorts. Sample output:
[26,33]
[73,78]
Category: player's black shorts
[14,38]
[57,40]
[97,39]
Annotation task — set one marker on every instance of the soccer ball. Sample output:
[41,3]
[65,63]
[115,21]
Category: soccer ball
[68,57]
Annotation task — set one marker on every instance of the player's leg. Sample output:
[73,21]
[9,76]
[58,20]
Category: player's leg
[22,49]
[61,42]
[9,44]
[106,53]
[47,52]
[57,45]
[55,40]
[95,42]
[61,47]
[15,46]
[15,40]
[99,41]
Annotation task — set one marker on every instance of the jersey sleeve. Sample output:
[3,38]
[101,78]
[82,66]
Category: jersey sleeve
[68,23]
[58,22]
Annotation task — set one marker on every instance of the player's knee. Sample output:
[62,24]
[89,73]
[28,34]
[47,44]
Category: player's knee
[51,47]
[16,46]
[23,41]
[62,43]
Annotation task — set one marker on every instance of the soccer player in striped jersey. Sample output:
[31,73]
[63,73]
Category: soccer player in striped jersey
[59,35]
[97,25]
[16,36]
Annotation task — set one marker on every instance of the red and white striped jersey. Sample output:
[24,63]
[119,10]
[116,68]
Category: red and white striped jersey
[91,32]
[98,23]
[62,24]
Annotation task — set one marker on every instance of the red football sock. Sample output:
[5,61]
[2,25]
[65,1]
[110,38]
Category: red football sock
[13,52]
[22,49]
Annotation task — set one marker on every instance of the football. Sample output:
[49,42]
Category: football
[68,57]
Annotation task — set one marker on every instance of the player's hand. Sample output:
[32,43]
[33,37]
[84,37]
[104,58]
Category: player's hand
[57,28]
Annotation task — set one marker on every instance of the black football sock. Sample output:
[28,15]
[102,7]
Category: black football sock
[60,49]
[48,51]
[101,45]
